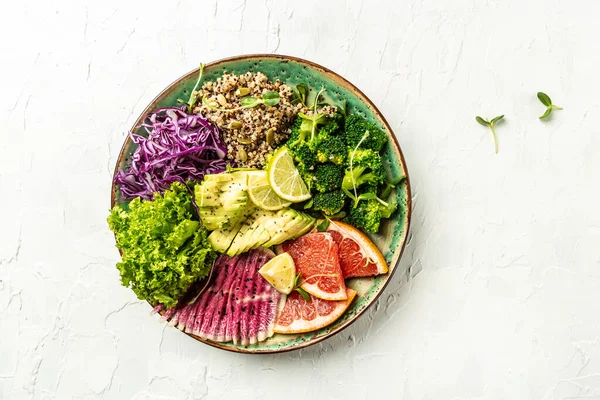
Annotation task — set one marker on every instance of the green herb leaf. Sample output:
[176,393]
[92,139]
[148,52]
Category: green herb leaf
[301,90]
[547,113]
[303,293]
[494,120]
[308,204]
[323,225]
[544,98]
[297,279]
[339,215]
[250,102]
[482,121]
[270,99]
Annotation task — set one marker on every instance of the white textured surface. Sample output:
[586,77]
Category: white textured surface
[507,304]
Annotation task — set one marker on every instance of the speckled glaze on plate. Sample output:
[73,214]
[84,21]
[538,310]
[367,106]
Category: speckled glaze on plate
[393,233]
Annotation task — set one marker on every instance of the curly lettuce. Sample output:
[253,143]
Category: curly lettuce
[164,248]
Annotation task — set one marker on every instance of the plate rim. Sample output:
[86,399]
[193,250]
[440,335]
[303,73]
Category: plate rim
[331,74]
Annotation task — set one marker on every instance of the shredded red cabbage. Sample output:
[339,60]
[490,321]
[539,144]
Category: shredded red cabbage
[179,147]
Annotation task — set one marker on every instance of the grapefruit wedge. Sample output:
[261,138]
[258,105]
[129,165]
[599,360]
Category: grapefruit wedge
[357,254]
[299,315]
[316,258]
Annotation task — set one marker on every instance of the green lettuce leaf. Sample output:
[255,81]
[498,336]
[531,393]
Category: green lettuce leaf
[164,247]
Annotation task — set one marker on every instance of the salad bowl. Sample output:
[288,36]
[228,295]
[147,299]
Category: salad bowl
[392,236]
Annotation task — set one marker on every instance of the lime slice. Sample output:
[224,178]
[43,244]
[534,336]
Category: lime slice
[262,195]
[280,272]
[285,179]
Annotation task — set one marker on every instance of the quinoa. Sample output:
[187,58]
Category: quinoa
[250,133]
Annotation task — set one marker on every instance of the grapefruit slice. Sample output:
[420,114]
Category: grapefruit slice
[357,254]
[299,315]
[316,258]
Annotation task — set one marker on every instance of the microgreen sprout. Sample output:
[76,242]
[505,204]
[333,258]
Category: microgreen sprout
[322,225]
[194,95]
[269,99]
[300,94]
[491,124]
[364,136]
[298,289]
[545,99]
[314,125]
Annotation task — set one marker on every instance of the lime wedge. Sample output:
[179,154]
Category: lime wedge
[262,195]
[280,272]
[285,179]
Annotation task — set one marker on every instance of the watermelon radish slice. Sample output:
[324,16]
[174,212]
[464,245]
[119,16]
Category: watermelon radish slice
[245,304]
[209,313]
[216,330]
[239,305]
[232,330]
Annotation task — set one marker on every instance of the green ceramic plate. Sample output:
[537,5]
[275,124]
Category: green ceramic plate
[392,236]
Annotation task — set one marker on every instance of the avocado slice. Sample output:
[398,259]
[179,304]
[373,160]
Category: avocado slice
[306,227]
[222,199]
[289,225]
[244,238]
[259,233]
[221,239]
[296,227]
[255,233]
[276,225]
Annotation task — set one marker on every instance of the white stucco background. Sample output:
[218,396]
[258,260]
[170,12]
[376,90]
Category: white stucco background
[507,303]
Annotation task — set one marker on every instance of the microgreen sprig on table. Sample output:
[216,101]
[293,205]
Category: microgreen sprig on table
[545,99]
[491,124]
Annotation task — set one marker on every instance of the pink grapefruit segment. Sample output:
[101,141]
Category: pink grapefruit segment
[357,254]
[299,315]
[316,258]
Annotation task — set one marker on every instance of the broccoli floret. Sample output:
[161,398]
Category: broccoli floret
[331,149]
[368,213]
[309,125]
[364,167]
[357,126]
[295,131]
[308,150]
[328,177]
[368,187]
[308,175]
[304,155]
[366,216]
[329,203]
[333,126]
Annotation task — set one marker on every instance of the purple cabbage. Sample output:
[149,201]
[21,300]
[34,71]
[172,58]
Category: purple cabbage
[179,147]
